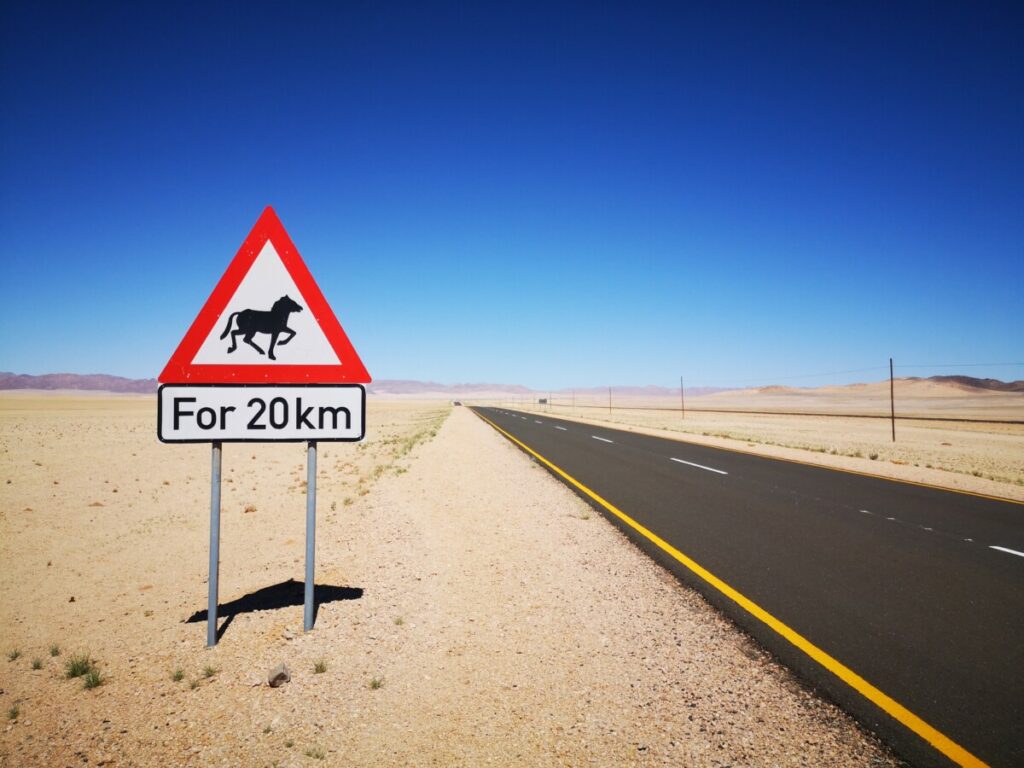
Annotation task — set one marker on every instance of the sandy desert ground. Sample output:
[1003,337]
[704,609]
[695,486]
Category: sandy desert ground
[475,611]
[985,458]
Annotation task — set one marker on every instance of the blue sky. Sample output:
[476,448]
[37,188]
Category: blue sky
[545,194]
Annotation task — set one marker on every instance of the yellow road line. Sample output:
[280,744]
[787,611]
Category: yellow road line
[897,711]
[680,439]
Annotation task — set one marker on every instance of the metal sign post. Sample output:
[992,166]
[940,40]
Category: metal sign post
[211,607]
[309,610]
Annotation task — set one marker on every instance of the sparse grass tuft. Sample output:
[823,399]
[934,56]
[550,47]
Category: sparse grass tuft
[376,683]
[55,650]
[37,663]
[209,671]
[399,621]
[193,685]
[289,743]
[14,655]
[94,679]
[13,712]
[320,667]
[316,753]
[77,665]
[872,456]
[267,729]
[178,675]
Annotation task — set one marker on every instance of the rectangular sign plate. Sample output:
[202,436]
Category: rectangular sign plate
[260,413]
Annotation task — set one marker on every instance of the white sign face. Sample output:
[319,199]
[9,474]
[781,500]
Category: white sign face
[229,413]
[238,337]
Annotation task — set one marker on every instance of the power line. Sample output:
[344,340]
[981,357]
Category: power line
[814,375]
[960,365]
[762,379]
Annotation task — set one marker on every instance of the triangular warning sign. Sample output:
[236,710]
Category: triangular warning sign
[266,322]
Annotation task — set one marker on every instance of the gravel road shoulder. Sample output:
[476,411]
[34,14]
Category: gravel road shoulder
[500,621]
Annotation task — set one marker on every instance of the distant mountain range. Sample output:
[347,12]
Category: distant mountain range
[102,382]
[90,381]
[105,383]
[969,381]
[408,387]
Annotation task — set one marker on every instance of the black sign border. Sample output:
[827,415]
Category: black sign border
[160,421]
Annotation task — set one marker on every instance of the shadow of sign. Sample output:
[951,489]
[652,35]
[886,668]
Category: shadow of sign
[283,595]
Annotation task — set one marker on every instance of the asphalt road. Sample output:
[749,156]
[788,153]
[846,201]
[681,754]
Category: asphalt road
[917,590]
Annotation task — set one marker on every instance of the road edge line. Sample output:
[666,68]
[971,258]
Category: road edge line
[882,700]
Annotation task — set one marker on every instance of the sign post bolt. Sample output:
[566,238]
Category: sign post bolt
[310,608]
[211,608]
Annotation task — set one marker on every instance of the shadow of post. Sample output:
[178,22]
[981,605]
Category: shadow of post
[283,595]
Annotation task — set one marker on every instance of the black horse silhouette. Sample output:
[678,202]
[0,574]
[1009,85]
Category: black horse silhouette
[253,321]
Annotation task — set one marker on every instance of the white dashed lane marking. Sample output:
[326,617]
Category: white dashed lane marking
[1007,551]
[930,529]
[701,466]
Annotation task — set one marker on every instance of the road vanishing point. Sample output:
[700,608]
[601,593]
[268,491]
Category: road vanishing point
[903,603]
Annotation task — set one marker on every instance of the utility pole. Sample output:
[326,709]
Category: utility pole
[682,400]
[892,402]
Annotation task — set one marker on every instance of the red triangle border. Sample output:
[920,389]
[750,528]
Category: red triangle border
[181,370]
